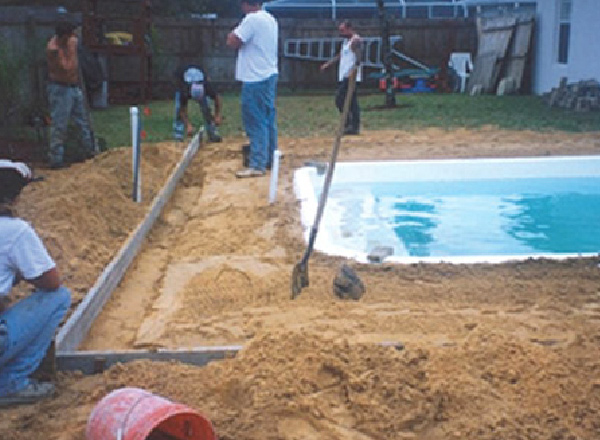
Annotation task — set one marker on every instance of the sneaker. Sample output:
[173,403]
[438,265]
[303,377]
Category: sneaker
[249,172]
[33,392]
[214,137]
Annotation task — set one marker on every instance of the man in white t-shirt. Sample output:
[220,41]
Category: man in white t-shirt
[350,56]
[255,38]
[27,327]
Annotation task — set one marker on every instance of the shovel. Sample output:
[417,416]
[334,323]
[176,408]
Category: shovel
[300,272]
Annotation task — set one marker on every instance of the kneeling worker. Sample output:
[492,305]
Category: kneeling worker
[192,83]
[27,327]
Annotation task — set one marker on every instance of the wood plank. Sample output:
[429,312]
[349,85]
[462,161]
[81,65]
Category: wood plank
[483,71]
[94,362]
[520,51]
[495,38]
[77,327]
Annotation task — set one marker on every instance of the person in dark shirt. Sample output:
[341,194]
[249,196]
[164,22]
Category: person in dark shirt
[191,82]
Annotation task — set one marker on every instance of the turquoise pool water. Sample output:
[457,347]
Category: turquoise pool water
[471,210]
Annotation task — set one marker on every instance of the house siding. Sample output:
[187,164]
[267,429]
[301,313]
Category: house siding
[584,47]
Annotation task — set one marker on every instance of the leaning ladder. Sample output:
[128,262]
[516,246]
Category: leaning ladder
[323,49]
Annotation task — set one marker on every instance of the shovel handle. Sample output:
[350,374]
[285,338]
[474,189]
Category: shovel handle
[332,160]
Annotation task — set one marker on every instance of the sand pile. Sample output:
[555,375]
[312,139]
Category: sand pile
[299,385]
[85,213]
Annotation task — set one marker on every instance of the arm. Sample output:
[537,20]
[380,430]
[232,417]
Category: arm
[327,64]
[49,280]
[234,41]
[183,115]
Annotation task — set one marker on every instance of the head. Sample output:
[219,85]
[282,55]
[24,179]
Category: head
[13,178]
[251,5]
[64,30]
[346,30]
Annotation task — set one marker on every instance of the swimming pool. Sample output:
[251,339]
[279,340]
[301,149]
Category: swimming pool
[459,210]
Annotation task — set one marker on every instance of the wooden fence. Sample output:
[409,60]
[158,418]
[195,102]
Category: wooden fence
[203,41]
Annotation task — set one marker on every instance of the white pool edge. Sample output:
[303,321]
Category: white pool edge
[305,193]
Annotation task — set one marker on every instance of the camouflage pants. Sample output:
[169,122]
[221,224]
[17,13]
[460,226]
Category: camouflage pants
[66,102]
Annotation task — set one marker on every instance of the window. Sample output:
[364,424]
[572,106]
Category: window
[564,29]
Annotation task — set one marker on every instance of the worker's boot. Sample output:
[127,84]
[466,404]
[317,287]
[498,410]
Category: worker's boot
[213,133]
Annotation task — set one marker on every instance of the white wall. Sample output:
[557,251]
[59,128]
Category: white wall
[584,48]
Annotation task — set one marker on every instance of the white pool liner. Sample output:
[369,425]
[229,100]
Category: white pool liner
[422,171]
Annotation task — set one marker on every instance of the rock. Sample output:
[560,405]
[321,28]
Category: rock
[347,285]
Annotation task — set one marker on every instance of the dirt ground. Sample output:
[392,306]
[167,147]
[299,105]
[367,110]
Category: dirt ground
[508,351]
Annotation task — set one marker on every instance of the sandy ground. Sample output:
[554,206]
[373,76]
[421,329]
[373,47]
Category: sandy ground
[507,351]
[85,213]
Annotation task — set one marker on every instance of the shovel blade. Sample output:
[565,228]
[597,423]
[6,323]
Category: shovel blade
[299,279]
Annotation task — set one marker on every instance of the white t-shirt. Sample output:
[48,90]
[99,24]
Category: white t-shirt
[347,60]
[257,58]
[21,251]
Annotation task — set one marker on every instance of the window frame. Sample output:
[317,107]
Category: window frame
[563,31]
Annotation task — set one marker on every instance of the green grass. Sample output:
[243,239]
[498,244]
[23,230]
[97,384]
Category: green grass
[303,115]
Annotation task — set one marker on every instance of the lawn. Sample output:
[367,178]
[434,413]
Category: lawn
[303,114]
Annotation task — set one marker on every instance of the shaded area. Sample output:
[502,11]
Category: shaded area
[414,227]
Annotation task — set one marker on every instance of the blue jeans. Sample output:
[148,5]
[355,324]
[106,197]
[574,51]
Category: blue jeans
[30,325]
[66,102]
[259,116]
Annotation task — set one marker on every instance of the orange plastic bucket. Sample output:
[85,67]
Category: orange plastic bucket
[134,414]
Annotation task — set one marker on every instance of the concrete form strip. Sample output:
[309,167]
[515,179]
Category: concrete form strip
[77,327]
[96,362]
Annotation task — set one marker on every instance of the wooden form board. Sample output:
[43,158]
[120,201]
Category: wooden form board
[77,327]
[95,362]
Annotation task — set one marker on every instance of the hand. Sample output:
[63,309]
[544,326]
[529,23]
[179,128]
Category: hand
[324,66]
[218,119]
[53,45]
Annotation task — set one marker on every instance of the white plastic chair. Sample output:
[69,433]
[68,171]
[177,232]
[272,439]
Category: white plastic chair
[463,66]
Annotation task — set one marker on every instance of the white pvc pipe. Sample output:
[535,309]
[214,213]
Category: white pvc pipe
[136,154]
[274,177]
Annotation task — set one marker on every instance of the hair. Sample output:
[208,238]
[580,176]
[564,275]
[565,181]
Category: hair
[347,24]
[11,184]
[64,28]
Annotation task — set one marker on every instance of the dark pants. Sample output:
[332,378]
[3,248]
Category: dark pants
[353,119]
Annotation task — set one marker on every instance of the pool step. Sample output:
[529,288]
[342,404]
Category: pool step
[380,253]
